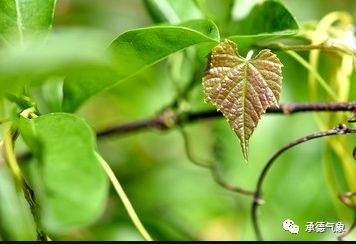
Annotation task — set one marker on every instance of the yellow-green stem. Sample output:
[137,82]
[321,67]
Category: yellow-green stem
[21,184]
[10,157]
[125,200]
[322,82]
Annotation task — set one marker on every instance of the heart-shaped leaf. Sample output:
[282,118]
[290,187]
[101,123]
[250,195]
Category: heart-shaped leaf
[242,88]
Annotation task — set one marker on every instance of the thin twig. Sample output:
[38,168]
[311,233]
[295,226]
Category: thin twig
[345,198]
[212,167]
[352,227]
[340,130]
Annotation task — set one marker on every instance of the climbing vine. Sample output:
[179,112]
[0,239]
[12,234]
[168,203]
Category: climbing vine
[236,66]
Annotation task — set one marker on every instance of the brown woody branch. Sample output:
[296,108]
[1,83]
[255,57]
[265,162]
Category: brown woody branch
[169,118]
[340,130]
[165,120]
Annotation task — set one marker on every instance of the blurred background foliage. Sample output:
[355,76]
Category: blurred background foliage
[175,199]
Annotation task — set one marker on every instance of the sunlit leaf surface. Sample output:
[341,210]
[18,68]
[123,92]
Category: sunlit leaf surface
[242,88]
[134,51]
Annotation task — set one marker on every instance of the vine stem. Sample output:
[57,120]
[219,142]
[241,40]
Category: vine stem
[340,130]
[125,200]
[312,70]
[322,46]
[351,228]
[212,167]
[160,121]
[20,182]
[345,198]
[10,155]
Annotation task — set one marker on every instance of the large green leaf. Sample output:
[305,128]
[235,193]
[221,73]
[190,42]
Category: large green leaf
[218,11]
[266,21]
[64,51]
[22,18]
[71,185]
[21,22]
[267,17]
[134,51]
[242,8]
[176,11]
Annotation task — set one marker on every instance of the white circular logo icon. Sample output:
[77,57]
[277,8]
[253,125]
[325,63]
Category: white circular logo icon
[288,225]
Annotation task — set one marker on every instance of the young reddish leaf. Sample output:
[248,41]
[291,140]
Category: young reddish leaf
[242,88]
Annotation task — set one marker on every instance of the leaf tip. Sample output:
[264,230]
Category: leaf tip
[244,147]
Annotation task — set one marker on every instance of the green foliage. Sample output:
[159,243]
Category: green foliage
[134,51]
[89,69]
[61,70]
[22,18]
[172,11]
[138,49]
[71,185]
[64,52]
[268,20]
[21,21]
[267,17]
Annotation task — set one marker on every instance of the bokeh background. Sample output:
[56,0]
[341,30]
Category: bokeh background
[175,199]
